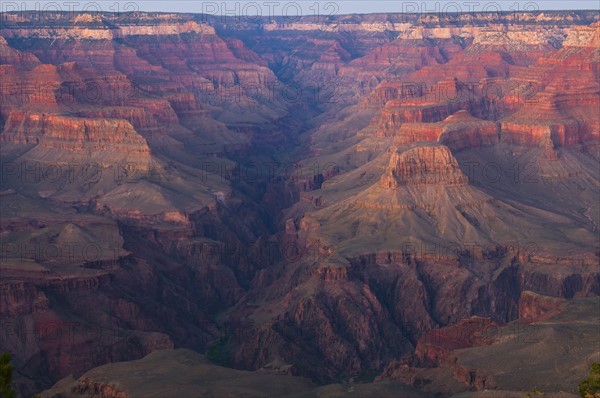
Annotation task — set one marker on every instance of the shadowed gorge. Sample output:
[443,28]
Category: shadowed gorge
[373,204]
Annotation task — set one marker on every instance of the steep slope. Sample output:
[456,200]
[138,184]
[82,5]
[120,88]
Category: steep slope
[551,352]
[185,373]
[115,165]
[436,233]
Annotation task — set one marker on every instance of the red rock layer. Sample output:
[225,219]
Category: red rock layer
[73,134]
[12,56]
[534,306]
[423,164]
[435,349]
[458,131]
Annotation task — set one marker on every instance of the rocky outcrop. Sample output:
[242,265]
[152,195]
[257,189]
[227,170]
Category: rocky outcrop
[396,113]
[544,124]
[76,148]
[22,298]
[14,57]
[73,134]
[433,348]
[36,331]
[534,306]
[458,131]
[94,29]
[462,131]
[423,164]
[436,349]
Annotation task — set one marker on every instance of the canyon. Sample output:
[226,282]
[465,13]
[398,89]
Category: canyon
[368,203]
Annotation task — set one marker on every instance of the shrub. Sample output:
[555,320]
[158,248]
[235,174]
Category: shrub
[590,387]
[6,370]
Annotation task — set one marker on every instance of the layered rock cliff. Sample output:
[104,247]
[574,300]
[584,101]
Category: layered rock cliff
[423,165]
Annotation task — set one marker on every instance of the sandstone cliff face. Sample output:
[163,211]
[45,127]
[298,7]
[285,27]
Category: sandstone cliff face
[458,131]
[551,120]
[533,306]
[79,142]
[435,349]
[96,30]
[415,295]
[538,85]
[38,87]
[12,56]
[462,131]
[558,113]
[432,348]
[395,114]
[423,165]
[49,131]
[53,346]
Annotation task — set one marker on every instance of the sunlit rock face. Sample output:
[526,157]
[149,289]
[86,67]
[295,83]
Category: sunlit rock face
[427,164]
